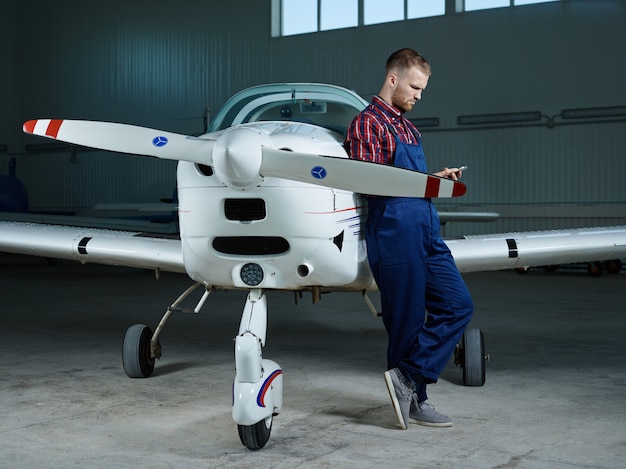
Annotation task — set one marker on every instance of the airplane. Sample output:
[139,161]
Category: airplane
[268,199]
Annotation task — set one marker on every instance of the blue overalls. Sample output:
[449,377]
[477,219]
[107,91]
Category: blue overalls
[415,273]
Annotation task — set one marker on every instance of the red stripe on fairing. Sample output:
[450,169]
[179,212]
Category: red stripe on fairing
[432,187]
[260,399]
[29,126]
[335,211]
[458,189]
[53,128]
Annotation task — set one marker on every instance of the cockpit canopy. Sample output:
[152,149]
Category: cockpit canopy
[326,106]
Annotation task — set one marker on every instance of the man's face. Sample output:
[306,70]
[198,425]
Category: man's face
[408,89]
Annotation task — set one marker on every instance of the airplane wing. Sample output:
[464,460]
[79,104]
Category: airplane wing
[471,253]
[538,248]
[122,248]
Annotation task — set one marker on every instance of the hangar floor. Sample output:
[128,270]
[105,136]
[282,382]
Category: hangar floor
[555,394]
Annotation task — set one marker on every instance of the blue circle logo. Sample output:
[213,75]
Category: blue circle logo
[159,141]
[319,172]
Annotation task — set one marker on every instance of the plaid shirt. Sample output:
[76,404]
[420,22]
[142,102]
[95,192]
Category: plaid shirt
[369,137]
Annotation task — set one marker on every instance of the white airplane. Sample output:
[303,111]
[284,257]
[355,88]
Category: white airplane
[269,200]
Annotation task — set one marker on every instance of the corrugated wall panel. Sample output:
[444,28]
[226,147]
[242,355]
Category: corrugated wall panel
[527,168]
[156,65]
[66,182]
[578,163]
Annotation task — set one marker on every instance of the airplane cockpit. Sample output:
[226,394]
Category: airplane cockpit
[326,106]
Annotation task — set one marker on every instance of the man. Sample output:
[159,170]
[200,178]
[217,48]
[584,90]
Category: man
[425,303]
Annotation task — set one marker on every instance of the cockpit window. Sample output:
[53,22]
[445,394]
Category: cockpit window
[331,115]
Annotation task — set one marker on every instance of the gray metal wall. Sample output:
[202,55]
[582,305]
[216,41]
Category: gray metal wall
[160,63]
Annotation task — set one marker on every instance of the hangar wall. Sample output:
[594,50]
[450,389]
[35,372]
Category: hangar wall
[8,81]
[160,63]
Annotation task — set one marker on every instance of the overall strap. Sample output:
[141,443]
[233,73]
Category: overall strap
[393,130]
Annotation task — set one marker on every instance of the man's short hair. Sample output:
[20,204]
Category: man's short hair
[406,58]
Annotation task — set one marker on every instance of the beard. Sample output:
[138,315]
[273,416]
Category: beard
[401,103]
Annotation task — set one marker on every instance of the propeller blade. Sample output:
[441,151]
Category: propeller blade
[356,176]
[124,138]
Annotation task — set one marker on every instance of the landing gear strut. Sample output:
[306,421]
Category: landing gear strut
[141,347]
[258,385]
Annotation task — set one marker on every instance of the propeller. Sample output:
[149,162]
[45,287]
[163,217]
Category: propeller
[242,156]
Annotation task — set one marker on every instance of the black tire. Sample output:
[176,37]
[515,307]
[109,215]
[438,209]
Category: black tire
[136,352]
[473,363]
[256,436]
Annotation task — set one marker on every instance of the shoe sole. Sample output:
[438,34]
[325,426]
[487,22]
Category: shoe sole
[394,400]
[430,424]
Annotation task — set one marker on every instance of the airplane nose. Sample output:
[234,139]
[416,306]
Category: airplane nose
[237,157]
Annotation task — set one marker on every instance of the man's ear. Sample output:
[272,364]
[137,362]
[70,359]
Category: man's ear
[392,79]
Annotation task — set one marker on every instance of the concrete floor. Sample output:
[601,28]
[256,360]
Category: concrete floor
[555,394]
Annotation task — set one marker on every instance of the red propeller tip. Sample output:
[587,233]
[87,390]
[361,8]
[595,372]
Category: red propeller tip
[29,126]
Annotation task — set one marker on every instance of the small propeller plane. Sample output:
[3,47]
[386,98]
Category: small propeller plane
[269,200]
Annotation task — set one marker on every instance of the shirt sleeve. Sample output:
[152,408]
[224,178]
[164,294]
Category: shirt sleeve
[363,141]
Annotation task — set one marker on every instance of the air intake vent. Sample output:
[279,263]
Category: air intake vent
[244,209]
[251,245]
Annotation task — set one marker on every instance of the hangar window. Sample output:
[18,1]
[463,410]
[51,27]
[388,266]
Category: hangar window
[377,11]
[336,14]
[291,17]
[472,5]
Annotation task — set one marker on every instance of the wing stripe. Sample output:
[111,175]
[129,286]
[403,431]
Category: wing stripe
[82,246]
[512,244]
[53,128]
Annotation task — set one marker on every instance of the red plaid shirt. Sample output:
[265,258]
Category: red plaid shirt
[369,137]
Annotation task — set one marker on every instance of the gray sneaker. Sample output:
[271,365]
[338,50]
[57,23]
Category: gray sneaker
[401,393]
[424,413]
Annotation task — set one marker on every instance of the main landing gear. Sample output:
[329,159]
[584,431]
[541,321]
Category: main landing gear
[141,347]
[258,384]
[470,354]
[136,356]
